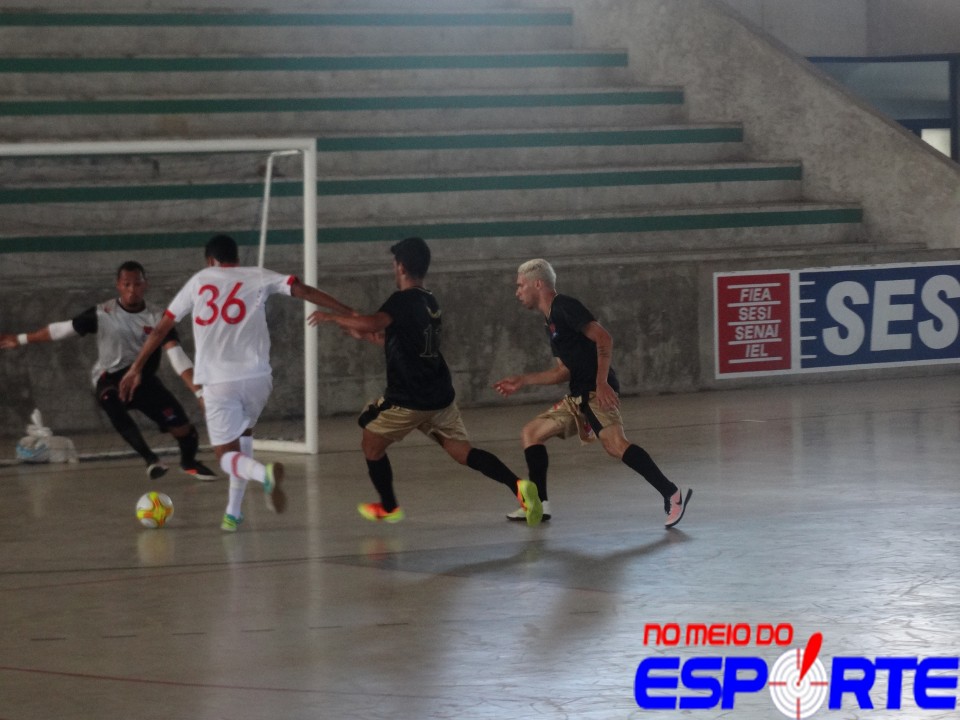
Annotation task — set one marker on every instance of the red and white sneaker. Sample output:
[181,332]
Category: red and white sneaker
[675,506]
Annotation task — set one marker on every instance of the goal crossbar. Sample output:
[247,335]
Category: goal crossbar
[305,146]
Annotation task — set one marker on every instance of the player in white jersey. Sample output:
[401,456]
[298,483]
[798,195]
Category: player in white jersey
[121,326]
[228,305]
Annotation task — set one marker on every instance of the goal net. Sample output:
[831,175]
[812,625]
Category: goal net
[73,212]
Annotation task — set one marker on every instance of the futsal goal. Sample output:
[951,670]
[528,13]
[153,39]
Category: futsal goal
[73,211]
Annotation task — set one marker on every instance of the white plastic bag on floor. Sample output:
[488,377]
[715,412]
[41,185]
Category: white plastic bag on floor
[40,445]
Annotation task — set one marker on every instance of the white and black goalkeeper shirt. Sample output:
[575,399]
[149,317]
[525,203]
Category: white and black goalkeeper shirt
[120,335]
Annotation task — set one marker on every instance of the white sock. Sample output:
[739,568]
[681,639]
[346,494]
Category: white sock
[235,497]
[243,466]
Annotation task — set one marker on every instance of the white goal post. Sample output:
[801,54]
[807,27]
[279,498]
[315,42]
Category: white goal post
[307,147]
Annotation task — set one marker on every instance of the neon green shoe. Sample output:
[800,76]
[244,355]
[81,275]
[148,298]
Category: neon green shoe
[530,500]
[376,513]
[275,498]
[230,523]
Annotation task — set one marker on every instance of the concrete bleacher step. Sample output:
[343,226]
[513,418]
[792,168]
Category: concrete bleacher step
[724,227]
[367,155]
[341,28]
[492,150]
[852,253]
[656,229]
[561,190]
[127,118]
[92,77]
[352,199]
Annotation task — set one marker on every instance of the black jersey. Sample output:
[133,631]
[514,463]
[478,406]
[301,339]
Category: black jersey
[568,318]
[417,375]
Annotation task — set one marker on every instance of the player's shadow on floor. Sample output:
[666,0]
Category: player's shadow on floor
[539,561]
[582,589]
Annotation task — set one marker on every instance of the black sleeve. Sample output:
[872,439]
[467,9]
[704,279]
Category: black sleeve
[575,314]
[172,335]
[393,306]
[86,322]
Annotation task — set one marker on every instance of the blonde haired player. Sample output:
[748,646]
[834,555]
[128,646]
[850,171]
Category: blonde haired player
[228,305]
[583,349]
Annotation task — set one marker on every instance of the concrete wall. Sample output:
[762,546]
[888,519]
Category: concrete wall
[913,27]
[487,334]
[657,307]
[811,27]
[858,27]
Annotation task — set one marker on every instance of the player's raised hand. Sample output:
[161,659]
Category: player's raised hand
[8,341]
[509,385]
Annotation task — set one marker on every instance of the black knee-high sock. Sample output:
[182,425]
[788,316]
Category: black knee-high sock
[189,444]
[381,474]
[124,424]
[537,462]
[638,460]
[491,466]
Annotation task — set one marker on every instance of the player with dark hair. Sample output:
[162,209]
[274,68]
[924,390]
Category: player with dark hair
[228,305]
[582,348]
[420,394]
[121,326]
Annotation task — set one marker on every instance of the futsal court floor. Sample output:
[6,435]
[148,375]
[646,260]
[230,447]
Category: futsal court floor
[829,508]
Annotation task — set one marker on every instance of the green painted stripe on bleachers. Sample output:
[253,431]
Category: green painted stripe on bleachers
[521,139]
[213,19]
[145,193]
[331,63]
[445,231]
[598,225]
[139,241]
[553,181]
[209,106]
[326,188]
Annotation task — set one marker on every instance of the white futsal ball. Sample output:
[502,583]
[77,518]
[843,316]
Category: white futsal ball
[154,509]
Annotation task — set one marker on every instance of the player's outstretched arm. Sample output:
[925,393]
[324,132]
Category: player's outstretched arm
[553,376]
[131,380]
[54,331]
[8,341]
[377,338]
[318,297]
[358,326]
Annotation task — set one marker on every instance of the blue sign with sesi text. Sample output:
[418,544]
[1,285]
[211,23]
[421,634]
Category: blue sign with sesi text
[879,315]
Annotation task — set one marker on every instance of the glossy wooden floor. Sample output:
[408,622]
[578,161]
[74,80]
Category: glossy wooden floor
[830,508]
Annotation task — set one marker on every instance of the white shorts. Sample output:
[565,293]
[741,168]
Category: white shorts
[233,407]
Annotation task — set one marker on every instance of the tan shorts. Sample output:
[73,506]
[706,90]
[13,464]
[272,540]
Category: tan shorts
[395,423]
[575,421]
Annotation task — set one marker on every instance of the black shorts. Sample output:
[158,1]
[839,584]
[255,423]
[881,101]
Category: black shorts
[151,398]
